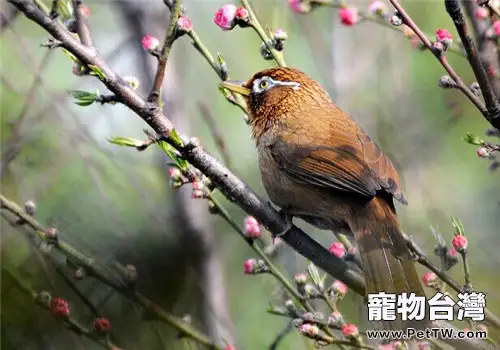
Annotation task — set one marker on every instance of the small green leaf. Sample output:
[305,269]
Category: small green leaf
[65,10]
[173,154]
[71,56]
[97,72]
[175,137]
[126,141]
[314,274]
[473,140]
[84,98]
[458,225]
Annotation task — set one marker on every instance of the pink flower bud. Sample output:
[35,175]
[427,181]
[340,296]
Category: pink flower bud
[377,7]
[85,10]
[339,288]
[102,325]
[300,278]
[350,330]
[309,330]
[496,27]
[280,34]
[229,347]
[251,227]
[443,37]
[424,345]
[242,14]
[299,6]
[150,43]
[443,34]
[482,13]
[335,318]
[184,24]
[337,249]
[348,15]
[225,17]
[174,172]
[249,266]
[459,242]
[452,252]
[390,346]
[429,278]
[492,72]
[59,307]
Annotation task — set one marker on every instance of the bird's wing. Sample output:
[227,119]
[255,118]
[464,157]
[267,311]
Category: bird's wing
[354,167]
[381,166]
[336,167]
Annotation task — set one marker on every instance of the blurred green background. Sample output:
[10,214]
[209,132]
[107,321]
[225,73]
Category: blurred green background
[116,204]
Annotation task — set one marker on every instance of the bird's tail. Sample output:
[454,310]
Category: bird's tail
[387,262]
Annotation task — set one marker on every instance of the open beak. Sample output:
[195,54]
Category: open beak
[236,86]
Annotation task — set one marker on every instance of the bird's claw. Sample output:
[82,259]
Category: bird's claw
[289,223]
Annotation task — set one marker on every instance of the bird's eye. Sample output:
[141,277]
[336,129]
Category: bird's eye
[263,84]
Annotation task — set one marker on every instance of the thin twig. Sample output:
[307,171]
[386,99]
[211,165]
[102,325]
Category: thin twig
[492,113]
[102,274]
[175,12]
[82,26]
[441,58]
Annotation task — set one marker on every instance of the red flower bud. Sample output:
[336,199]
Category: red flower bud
[348,16]
[309,330]
[225,17]
[337,249]
[339,288]
[482,13]
[459,242]
[249,266]
[429,278]
[150,43]
[59,307]
[350,330]
[242,13]
[251,227]
[184,24]
[102,325]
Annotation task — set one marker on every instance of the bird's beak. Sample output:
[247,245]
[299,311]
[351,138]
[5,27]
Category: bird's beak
[236,86]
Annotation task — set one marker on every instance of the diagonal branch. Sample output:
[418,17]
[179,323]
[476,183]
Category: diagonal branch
[492,105]
[175,12]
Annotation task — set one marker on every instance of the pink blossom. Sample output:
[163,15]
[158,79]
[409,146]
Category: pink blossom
[377,7]
[298,6]
[429,278]
[59,307]
[337,249]
[309,329]
[102,325]
[482,13]
[85,11]
[225,17]
[496,27]
[339,288]
[150,43]
[452,252]
[249,266]
[350,330]
[251,227]
[348,15]
[280,34]
[301,278]
[184,24]
[334,318]
[229,347]
[459,242]
[443,35]
[242,13]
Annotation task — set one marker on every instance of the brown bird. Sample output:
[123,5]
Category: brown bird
[319,165]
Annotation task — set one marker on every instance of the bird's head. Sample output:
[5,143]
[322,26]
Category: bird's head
[274,94]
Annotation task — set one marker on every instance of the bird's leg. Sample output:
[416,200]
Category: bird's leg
[288,217]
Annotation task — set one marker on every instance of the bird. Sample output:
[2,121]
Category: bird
[319,165]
